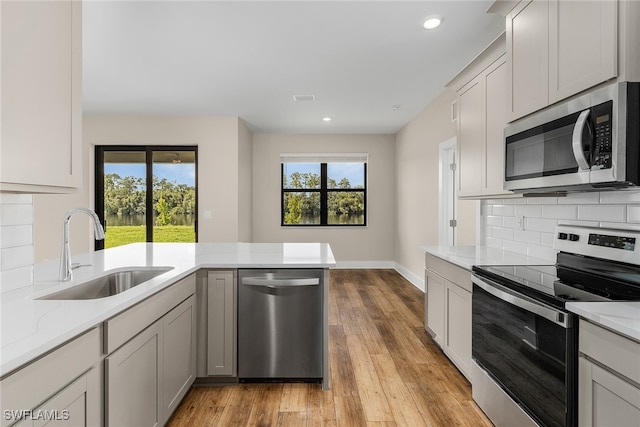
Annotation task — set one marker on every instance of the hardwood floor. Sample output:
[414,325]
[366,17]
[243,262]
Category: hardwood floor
[385,370]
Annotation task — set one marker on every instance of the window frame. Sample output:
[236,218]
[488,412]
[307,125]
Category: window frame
[324,195]
[148,150]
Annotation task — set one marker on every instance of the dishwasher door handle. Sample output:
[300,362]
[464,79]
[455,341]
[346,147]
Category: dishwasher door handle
[280,283]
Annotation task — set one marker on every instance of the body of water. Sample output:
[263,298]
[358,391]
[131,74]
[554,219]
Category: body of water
[116,220]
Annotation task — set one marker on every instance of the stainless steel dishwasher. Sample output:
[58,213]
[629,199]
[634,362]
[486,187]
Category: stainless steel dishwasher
[280,325]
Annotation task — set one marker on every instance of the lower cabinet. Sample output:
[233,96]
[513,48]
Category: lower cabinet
[217,325]
[147,376]
[448,310]
[61,388]
[609,378]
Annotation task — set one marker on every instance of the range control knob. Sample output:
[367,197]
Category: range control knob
[574,237]
[562,236]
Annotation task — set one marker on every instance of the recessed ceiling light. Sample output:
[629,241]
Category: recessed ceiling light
[326,119]
[432,22]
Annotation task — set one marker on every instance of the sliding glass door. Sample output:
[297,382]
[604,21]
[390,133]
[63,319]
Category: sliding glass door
[146,194]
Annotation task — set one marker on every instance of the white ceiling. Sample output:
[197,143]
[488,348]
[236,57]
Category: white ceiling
[249,58]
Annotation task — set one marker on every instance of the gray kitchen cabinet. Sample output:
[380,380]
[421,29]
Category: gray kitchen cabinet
[61,388]
[556,49]
[608,378]
[481,105]
[41,96]
[448,305]
[153,343]
[221,323]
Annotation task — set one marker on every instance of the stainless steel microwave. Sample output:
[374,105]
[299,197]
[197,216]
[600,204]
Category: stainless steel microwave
[591,142]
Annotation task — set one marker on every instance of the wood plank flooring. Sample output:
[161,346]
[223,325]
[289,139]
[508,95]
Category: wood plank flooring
[385,370]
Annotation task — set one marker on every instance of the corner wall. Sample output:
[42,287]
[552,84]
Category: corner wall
[417,187]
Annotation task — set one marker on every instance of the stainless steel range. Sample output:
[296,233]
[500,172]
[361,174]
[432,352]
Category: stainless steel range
[524,340]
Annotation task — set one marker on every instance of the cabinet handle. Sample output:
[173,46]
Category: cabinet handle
[280,283]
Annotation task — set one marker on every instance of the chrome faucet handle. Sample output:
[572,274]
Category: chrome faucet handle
[65,258]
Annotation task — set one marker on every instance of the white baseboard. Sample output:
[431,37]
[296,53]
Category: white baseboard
[366,264]
[415,280]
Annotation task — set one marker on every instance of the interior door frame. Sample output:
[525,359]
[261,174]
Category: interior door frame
[148,150]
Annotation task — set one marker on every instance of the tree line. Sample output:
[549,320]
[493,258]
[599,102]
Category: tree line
[127,196]
[303,204]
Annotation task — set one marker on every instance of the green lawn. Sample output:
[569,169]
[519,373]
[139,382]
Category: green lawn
[123,234]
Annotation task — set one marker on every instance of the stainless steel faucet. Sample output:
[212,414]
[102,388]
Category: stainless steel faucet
[65,258]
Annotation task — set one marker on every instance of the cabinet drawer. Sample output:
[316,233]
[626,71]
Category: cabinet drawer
[33,384]
[449,271]
[125,326]
[610,349]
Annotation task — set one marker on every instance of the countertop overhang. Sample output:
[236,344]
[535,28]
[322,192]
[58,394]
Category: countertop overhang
[30,327]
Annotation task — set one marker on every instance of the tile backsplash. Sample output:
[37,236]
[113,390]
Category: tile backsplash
[526,225]
[16,240]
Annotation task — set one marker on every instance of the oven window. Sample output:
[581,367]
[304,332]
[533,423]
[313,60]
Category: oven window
[542,151]
[525,354]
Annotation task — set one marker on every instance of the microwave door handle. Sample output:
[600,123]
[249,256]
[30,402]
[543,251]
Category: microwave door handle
[578,153]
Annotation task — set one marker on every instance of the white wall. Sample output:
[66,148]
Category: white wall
[500,228]
[372,245]
[245,183]
[417,188]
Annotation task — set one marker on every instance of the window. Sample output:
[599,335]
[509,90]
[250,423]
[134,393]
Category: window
[146,194]
[323,190]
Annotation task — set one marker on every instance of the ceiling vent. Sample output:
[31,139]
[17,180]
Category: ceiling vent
[304,98]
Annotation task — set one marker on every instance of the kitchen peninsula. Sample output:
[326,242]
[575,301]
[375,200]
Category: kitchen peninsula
[34,329]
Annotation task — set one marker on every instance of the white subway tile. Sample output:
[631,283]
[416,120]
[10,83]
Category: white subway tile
[16,278]
[620,197]
[504,210]
[542,200]
[16,235]
[547,225]
[493,220]
[517,247]
[611,213]
[515,201]
[16,215]
[502,233]
[542,252]
[547,239]
[528,211]
[580,199]
[633,213]
[581,223]
[560,212]
[527,236]
[486,209]
[509,222]
[18,257]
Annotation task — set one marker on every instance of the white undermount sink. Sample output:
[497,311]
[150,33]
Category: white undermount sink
[110,284]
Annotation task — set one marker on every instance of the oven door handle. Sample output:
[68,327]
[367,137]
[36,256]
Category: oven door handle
[501,292]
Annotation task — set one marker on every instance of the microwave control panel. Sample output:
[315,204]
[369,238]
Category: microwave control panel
[602,149]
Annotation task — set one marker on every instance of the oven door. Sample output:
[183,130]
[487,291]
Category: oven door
[528,349]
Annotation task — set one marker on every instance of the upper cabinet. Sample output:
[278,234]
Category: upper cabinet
[558,48]
[41,96]
[481,118]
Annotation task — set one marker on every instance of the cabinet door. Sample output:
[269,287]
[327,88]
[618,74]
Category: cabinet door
[527,58]
[41,96]
[134,380]
[221,323]
[606,399]
[496,112]
[458,327]
[76,405]
[435,306]
[471,128]
[583,49]
[179,359]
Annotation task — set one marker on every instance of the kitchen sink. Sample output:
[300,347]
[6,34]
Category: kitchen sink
[108,285]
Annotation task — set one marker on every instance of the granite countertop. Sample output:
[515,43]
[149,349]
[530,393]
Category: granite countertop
[620,316]
[30,327]
[468,256]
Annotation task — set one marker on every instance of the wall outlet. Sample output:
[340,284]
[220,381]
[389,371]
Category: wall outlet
[520,222]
